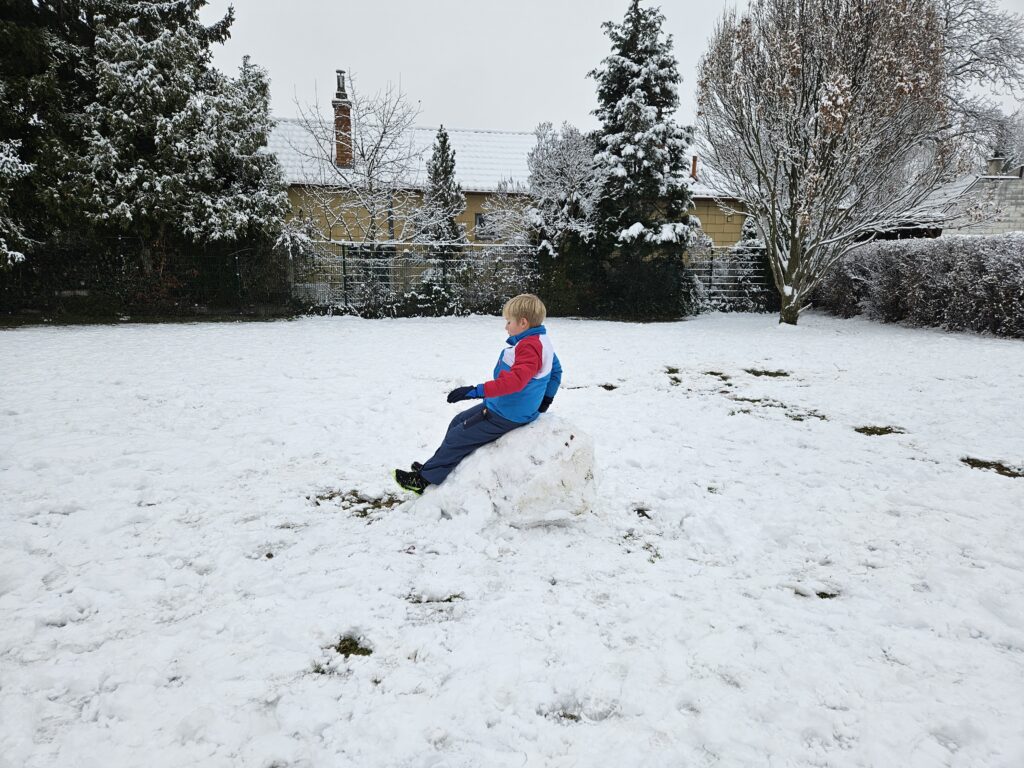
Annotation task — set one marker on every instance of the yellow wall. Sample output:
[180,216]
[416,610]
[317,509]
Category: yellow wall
[305,205]
[721,227]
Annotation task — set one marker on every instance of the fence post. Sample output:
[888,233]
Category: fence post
[344,275]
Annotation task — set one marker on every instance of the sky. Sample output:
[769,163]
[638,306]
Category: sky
[483,64]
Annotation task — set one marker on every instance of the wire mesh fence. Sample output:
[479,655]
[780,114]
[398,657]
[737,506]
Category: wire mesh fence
[111,276]
[392,279]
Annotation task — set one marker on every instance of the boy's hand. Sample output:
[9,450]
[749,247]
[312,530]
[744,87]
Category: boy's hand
[545,404]
[464,393]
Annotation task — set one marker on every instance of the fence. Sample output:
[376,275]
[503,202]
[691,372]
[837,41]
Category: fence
[390,279]
[733,279]
[113,276]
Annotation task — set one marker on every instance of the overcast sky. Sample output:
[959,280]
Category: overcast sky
[506,64]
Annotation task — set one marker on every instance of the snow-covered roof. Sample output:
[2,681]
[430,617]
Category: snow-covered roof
[483,158]
[950,193]
[704,185]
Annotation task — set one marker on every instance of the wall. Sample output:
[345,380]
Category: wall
[722,228]
[301,200]
[1008,196]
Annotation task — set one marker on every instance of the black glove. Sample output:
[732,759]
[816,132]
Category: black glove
[545,404]
[462,393]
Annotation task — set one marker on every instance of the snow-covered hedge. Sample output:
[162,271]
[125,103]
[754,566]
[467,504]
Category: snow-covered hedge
[957,282]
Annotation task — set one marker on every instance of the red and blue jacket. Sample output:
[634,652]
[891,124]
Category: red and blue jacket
[527,371]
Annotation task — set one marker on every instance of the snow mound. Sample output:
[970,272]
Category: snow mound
[540,474]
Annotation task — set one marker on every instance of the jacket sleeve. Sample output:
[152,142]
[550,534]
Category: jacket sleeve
[556,378]
[528,362]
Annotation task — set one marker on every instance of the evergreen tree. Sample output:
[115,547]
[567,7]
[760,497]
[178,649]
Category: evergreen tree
[443,200]
[642,212]
[173,143]
[11,235]
[244,195]
[44,47]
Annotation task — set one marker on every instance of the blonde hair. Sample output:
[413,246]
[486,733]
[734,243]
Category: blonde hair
[527,306]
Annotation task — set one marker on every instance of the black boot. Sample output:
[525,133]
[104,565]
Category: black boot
[416,466]
[411,481]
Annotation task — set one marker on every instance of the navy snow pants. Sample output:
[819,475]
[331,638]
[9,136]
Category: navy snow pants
[467,432]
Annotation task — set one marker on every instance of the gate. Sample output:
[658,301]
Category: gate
[733,279]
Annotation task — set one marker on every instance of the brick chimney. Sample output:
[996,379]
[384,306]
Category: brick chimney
[693,168]
[342,124]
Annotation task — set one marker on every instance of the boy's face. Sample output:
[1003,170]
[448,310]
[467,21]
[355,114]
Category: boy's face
[513,327]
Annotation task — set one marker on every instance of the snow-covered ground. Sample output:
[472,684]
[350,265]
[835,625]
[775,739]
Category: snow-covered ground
[193,515]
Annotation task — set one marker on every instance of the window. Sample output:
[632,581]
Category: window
[480,227]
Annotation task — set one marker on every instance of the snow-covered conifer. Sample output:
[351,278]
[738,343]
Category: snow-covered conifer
[174,145]
[44,86]
[443,200]
[245,194]
[11,236]
[642,223]
[642,150]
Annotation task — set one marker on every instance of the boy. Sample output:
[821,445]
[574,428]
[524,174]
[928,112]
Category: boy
[526,379]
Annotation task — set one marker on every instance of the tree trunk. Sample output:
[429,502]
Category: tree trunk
[790,312]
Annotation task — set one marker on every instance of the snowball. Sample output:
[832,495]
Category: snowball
[540,474]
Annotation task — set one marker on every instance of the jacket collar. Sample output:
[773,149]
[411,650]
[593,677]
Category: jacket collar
[538,331]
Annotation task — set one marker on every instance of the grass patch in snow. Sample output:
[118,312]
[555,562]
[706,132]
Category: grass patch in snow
[795,414]
[671,370]
[609,387]
[348,645]
[763,401]
[995,466]
[762,372]
[416,599]
[875,431]
[718,374]
[804,415]
[820,591]
[359,504]
[319,668]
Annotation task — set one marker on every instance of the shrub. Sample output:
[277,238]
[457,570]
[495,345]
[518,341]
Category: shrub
[957,282]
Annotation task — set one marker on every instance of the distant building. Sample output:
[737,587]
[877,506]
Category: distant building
[996,192]
[483,160]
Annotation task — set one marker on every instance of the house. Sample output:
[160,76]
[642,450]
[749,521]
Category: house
[483,160]
[997,193]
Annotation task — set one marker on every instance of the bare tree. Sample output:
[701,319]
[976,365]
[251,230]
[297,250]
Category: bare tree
[827,118]
[377,196]
[983,51]
[507,214]
[1008,141]
[565,184]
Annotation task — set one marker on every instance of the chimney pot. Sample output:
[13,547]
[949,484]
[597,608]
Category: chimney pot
[693,168]
[341,94]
